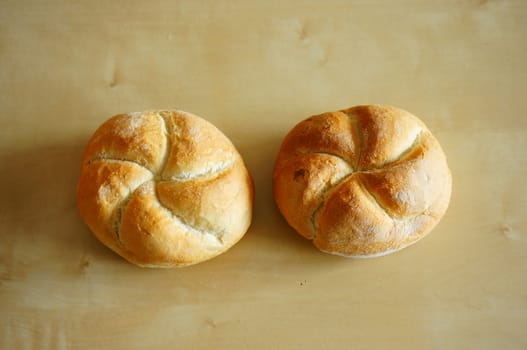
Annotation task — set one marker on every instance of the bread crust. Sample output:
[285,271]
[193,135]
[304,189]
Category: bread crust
[164,188]
[362,182]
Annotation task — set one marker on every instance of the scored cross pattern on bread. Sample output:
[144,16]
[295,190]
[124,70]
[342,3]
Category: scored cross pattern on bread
[164,188]
[363,181]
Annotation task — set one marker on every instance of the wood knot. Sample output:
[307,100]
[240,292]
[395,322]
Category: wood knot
[83,264]
[505,228]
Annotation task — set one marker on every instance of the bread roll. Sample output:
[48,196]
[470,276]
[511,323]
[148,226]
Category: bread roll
[362,182]
[164,189]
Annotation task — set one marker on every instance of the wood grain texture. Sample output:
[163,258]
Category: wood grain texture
[254,69]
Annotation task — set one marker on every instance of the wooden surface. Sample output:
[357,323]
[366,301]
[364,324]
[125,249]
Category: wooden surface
[254,69]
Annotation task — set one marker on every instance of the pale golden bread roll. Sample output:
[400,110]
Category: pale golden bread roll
[362,182]
[164,188]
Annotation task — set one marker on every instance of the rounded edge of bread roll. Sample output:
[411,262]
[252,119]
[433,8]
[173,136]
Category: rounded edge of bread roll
[124,197]
[395,192]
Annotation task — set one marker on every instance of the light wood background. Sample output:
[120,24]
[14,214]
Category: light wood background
[254,69]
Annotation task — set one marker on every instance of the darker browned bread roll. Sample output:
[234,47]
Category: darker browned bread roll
[361,182]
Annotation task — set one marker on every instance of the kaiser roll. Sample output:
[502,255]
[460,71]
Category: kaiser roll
[164,188]
[362,182]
